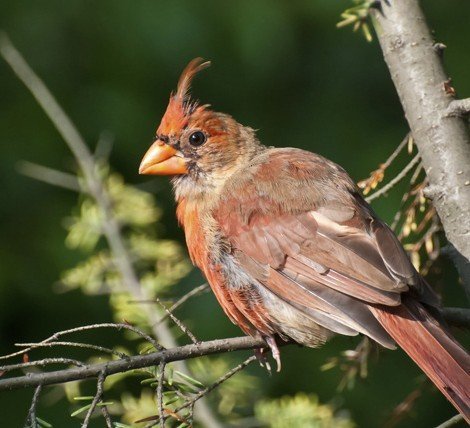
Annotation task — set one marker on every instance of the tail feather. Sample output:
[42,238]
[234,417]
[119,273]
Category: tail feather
[443,360]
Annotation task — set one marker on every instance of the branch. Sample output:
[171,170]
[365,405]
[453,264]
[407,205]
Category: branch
[459,108]
[395,180]
[31,418]
[451,422]
[423,87]
[132,363]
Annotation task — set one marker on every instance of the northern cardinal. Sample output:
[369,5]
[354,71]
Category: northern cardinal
[289,246]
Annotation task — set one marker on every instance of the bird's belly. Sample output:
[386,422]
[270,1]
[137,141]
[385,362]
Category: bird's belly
[268,313]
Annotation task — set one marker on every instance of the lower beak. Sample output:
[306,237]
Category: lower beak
[162,159]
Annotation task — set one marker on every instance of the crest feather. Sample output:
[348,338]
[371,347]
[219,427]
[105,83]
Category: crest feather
[184,83]
[180,105]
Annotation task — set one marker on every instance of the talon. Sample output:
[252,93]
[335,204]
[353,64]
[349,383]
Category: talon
[263,361]
[274,351]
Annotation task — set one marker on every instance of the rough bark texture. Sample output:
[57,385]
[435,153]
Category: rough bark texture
[443,140]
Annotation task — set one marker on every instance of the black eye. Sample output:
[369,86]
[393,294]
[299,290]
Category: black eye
[197,138]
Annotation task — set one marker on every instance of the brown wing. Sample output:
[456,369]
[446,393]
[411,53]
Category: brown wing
[312,241]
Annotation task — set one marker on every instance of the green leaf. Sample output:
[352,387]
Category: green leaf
[43,423]
[80,410]
[190,379]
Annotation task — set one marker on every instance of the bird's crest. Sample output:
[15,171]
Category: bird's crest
[180,105]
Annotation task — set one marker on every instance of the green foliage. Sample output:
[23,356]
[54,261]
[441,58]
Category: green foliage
[301,410]
[357,17]
[161,262]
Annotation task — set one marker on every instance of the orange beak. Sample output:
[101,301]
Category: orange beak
[162,159]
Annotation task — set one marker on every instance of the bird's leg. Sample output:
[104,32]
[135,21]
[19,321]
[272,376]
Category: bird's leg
[274,351]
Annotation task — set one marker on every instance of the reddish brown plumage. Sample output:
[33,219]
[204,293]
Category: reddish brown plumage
[292,251]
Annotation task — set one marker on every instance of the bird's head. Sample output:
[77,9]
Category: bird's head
[200,148]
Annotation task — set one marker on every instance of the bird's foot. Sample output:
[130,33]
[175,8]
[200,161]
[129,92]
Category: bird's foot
[274,351]
[262,359]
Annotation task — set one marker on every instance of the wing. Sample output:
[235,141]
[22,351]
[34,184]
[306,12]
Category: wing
[296,223]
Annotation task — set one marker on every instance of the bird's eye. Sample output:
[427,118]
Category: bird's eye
[197,138]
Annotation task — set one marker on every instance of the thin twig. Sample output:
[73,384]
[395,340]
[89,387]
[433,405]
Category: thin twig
[132,363]
[41,363]
[106,417]
[74,345]
[177,321]
[210,388]
[395,180]
[96,399]
[161,378]
[451,422]
[49,175]
[194,292]
[117,326]
[397,151]
[31,418]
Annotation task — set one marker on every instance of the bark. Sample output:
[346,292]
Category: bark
[132,363]
[425,92]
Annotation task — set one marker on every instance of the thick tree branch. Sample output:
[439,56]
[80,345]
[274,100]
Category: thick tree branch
[132,363]
[425,93]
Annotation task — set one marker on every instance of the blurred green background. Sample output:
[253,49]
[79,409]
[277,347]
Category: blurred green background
[278,66]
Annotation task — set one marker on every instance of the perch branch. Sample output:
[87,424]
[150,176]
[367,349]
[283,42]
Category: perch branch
[132,363]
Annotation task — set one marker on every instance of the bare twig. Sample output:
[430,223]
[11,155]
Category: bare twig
[96,399]
[161,378]
[49,175]
[132,363]
[95,186]
[178,322]
[74,345]
[41,363]
[395,180]
[451,422]
[106,416]
[219,381]
[31,418]
[117,326]
[397,151]
[376,176]
[194,292]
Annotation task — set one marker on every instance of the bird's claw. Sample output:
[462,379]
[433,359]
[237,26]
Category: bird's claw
[274,351]
[263,361]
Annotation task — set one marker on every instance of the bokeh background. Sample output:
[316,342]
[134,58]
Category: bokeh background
[278,66]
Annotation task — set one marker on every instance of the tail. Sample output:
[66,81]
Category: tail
[435,351]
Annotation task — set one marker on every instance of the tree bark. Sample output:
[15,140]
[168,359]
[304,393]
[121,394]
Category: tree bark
[443,140]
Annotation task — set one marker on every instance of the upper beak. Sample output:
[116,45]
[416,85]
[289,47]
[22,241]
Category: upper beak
[162,159]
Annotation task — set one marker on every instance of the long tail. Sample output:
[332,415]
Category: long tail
[437,353]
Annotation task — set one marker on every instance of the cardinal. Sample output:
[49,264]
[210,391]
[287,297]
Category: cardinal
[290,248]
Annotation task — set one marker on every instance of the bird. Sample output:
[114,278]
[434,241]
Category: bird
[289,246]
